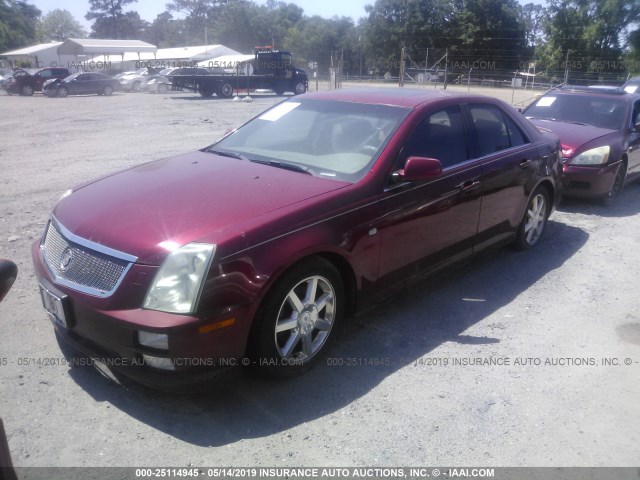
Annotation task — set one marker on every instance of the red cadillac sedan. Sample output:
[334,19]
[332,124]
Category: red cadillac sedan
[254,250]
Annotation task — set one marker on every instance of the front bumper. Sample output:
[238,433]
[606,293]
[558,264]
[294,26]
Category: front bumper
[106,329]
[588,182]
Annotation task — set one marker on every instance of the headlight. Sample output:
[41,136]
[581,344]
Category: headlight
[176,287]
[595,156]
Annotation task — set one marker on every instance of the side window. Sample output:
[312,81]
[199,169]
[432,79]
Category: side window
[45,74]
[516,137]
[491,130]
[442,136]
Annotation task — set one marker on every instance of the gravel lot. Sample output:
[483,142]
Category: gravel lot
[403,396]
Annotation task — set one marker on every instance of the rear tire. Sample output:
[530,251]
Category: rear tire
[136,87]
[107,90]
[26,90]
[206,91]
[298,320]
[534,220]
[163,88]
[225,90]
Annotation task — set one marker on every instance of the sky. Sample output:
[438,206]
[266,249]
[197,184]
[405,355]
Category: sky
[149,9]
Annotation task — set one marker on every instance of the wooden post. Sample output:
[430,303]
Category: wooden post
[6,465]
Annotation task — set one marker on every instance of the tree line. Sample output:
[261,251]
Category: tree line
[596,36]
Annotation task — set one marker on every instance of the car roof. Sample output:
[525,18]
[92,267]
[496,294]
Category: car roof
[595,89]
[595,92]
[397,97]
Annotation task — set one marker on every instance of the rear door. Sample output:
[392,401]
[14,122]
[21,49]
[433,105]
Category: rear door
[509,161]
[427,225]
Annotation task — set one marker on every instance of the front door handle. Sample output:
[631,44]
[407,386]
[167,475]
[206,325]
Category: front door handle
[469,185]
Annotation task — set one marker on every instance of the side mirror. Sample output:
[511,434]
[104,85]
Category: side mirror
[419,168]
[8,274]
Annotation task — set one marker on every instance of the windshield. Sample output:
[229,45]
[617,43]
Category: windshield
[328,139]
[597,110]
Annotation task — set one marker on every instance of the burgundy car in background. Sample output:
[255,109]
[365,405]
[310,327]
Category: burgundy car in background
[600,134]
[257,247]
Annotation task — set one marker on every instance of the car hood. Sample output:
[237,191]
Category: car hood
[572,135]
[148,210]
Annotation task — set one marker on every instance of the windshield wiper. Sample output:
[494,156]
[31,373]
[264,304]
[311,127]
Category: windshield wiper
[238,156]
[287,166]
[578,123]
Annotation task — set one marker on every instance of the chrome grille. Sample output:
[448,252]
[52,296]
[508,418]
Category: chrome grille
[87,270]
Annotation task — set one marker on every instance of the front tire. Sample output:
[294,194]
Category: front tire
[63,92]
[298,320]
[534,221]
[616,186]
[300,88]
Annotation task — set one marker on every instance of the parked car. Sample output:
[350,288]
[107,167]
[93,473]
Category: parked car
[600,134]
[82,84]
[188,71]
[632,85]
[260,245]
[26,82]
[159,83]
[133,82]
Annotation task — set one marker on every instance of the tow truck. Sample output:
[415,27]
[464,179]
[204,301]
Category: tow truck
[270,70]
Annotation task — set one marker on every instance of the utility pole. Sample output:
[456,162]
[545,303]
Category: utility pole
[401,79]
[446,67]
[566,68]
[360,42]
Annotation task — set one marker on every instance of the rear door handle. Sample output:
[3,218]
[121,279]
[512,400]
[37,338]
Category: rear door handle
[525,163]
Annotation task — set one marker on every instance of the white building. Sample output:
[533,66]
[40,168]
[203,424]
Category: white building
[37,56]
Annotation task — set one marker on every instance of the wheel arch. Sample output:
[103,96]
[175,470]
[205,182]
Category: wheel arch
[341,264]
[551,191]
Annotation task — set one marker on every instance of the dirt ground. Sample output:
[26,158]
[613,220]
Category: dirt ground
[561,325]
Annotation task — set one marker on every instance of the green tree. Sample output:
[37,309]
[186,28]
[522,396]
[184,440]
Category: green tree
[243,25]
[592,32]
[18,23]
[488,34]
[58,25]
[533,16]
[317,39]
[198,16]
[112,22]
[414,24]
[633,55]
[166,31]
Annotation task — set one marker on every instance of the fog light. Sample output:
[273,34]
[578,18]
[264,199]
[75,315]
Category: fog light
[159,363]
[159,341]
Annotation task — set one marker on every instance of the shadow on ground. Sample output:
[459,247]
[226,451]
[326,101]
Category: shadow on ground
[627,204]
[400,330]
